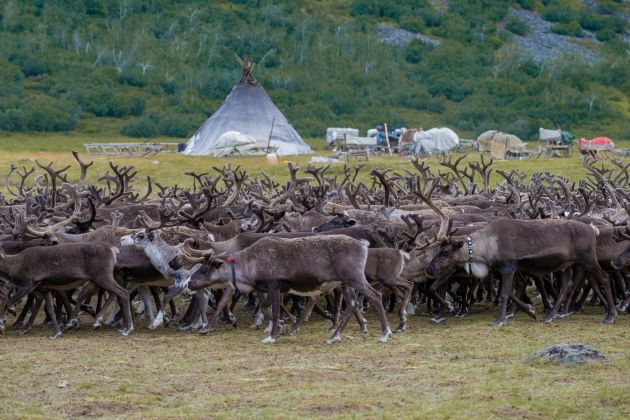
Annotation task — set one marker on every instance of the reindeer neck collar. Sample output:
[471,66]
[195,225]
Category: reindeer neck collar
[469,248]
[232,261]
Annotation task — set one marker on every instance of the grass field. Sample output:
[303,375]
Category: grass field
[461,368]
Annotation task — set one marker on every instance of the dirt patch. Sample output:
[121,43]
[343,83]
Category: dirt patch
[98,408]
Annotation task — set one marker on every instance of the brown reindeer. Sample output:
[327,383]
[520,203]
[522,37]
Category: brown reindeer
[307,266]
[62,267]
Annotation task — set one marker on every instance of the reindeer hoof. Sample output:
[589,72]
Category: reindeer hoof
[293,330]
[184,328]
[401,328]
[499,323]
[437,319]
[461,314]
[205,330]
[125,332]
[509,316]
[23,332]
[55,335]
[15,326]
[73,324]
[385,337]
[269,340]
[547,320]
[608,321]
[334,339]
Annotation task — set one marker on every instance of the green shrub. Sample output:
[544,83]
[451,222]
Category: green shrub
[105,103]
[517,26]
[569,29]
[560,13]
[38,113]
[605,34]
[144,127]
[176,125]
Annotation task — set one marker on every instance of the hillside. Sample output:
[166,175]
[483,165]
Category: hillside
[156,67]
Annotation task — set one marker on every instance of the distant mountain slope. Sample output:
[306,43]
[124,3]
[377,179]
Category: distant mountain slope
[161,67]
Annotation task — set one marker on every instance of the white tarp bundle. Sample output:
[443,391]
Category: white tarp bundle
[233,142]
[549,135]
[436,140]
[337,133]
[360,141]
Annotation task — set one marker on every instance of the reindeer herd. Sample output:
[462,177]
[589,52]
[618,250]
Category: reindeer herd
[334,245]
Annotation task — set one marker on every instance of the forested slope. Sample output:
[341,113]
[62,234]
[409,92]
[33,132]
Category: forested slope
[159,67]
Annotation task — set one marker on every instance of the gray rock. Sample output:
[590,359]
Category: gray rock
[401,37]
[542,45]
[569,354]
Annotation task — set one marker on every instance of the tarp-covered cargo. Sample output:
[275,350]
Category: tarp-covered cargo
[500,145]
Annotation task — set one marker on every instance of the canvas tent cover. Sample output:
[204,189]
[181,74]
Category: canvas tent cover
[247,110]
[500,145]
[436,140]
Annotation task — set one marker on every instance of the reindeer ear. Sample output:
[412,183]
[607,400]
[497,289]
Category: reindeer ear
[216,263]
[151,235]
[351,222]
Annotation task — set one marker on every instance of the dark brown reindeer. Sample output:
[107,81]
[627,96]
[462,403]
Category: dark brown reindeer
[532,246]
[306,266]
[62,267]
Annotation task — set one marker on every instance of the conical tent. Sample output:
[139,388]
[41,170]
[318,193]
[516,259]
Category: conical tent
[247,110]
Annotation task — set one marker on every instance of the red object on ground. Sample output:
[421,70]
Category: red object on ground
[600,144]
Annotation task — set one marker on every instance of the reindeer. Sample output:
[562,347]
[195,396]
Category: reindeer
[62,267]
[308,266]
[532,246]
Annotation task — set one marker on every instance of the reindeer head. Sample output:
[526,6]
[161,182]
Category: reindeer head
[339,221]
[140,238]
[443,263]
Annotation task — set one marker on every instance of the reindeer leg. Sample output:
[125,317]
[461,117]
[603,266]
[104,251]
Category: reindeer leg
[274,296]
[50,308]
[404,293]
[507,280]
[596,273]
[173,291]
[377,302]
[20,319]
[201,299]
[37,299]
[540,285]
[228,292]
[98,321]
[86,293]
[337,296]
[433,290]
[351,301]
[145,296]
[565,285]
[306,312]
[360,319]
[185,324]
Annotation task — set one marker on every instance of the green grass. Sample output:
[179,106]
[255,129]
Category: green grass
[461,368]
[24,149]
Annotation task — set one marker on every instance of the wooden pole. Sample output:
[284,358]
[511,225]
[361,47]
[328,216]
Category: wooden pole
[389,148]
[270,132]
